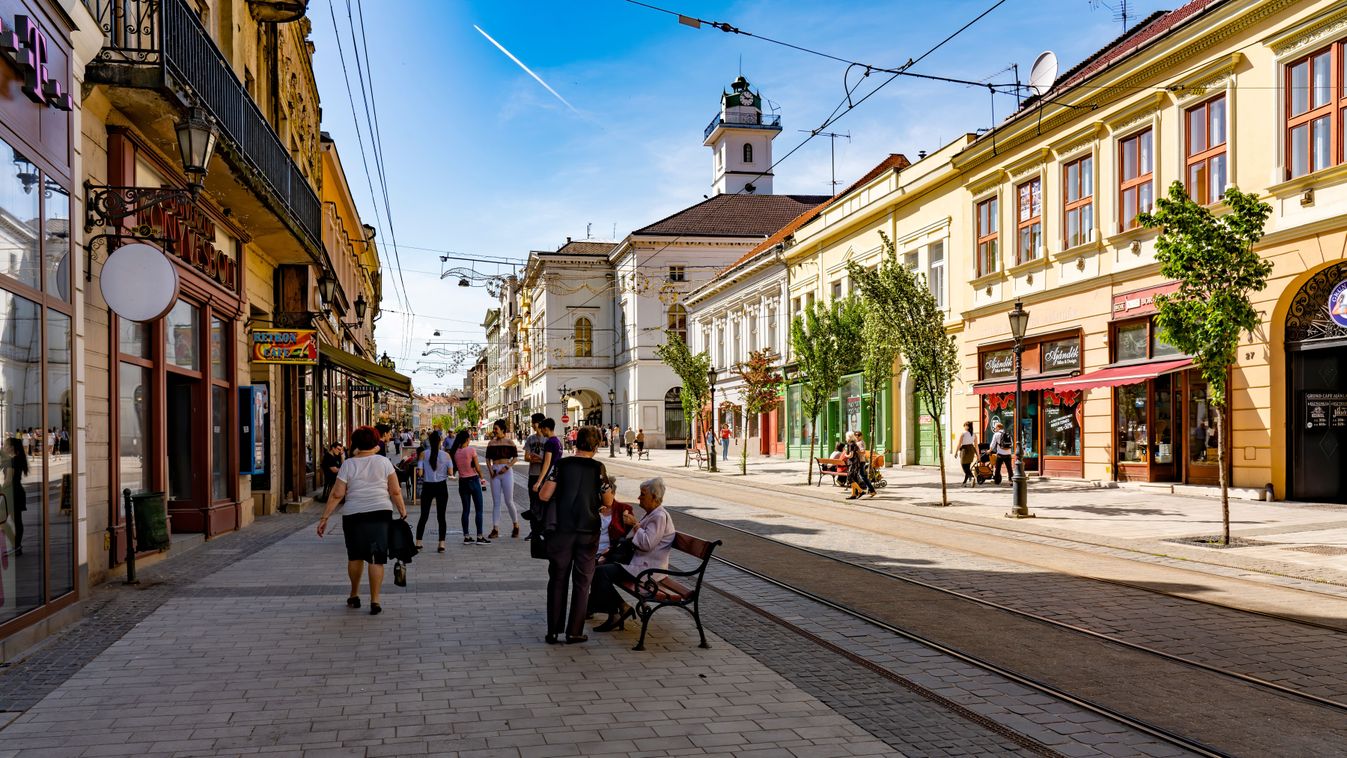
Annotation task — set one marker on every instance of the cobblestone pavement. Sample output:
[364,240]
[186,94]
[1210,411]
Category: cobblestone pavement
[1306,658]
[245,647]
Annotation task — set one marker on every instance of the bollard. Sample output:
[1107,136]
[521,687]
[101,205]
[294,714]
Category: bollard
[130,538]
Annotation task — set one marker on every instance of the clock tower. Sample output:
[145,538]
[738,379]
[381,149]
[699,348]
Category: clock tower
[740,138]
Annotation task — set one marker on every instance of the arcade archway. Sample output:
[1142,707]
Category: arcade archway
[1316,366]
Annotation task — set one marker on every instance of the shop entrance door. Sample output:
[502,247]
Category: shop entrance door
[926,455]
[183,411]
[1200,452]
[1319,424]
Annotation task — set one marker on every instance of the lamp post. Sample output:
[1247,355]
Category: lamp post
[565,392]
[612,412]
[711,444]
[1019,323]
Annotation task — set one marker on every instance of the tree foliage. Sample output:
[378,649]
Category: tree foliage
[691,370]
[814,346]
[905,313]
[471,412]
[762,391]
[1213,260]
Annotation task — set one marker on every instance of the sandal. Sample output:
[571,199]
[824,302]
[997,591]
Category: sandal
[440,549]
[353,601]
[515,533]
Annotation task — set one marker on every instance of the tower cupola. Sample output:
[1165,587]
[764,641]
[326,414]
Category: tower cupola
[740,137]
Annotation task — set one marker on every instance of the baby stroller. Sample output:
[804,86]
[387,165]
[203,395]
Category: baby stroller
[982,467]
[876,476]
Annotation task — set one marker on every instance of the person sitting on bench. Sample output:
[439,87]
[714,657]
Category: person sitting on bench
[652,537]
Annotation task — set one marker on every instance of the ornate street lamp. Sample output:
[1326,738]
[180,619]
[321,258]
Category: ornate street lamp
[1019,324]
[361,307]
[711,444]
[196,143]
[612,413]
[387,362]
[327,288]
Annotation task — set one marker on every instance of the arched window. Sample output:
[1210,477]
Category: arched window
[748,153]
[678,321]
[584,338]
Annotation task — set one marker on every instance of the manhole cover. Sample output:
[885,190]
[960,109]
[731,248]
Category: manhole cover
[1319,549]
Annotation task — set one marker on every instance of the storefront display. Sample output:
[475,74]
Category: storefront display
[1049,425]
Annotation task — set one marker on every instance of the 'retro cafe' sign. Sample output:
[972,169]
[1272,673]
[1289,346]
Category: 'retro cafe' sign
[24,46]
[290,346]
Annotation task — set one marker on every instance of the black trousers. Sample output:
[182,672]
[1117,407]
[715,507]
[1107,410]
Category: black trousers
[603,596]
[570,566]
[967,472]
[437,493]
[996,469]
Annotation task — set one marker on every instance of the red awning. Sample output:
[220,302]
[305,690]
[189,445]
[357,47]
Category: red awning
[1117,376]
[1005,387]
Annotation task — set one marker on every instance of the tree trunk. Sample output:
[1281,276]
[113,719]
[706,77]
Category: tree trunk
[743,448]
[1219,411]
[874,407]
[939,450]
[687,449]
[813,436]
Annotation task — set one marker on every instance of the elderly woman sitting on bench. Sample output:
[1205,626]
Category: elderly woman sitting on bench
[651,538]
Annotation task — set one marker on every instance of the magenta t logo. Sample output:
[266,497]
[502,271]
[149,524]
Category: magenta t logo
[26,48]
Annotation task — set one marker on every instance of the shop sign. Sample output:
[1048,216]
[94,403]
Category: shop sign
[1326,410]
[1337,304]
[24,46]
[998,364]
[191,236]
[1141,302]
[288,346]
[1061,355]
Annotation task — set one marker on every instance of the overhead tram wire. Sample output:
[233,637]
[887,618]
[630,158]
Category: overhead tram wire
[350,97]
[832,119]
[376,140]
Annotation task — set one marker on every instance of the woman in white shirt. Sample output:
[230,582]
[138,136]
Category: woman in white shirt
[434,466]
[369,485]
[652,537]
[968,453]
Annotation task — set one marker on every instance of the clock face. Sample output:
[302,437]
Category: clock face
[746,98]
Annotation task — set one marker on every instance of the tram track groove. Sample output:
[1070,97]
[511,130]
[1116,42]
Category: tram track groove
[1162,687]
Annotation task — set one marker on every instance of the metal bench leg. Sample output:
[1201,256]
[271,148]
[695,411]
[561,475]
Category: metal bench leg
[645,624]
[697,616]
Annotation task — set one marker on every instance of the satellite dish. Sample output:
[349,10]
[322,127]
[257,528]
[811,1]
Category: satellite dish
[1044,73]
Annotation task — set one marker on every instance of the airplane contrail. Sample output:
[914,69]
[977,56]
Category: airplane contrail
[527,70]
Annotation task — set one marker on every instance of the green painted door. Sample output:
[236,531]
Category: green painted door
[926,448]
[831,434]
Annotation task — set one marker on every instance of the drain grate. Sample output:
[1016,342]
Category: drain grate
[1319,549]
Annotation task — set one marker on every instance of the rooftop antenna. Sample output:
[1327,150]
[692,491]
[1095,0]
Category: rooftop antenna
[588,228]
[1044,73]
[1119,8]
[832,149]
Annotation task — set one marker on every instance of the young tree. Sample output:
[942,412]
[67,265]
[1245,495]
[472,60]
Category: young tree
[471,412]
[814,345]
[1213,260]
[879,354]
[762,391]
[903,306]
[691,369]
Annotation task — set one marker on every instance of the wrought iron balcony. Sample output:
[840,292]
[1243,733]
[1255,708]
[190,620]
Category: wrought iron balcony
[161,44]
[749,120]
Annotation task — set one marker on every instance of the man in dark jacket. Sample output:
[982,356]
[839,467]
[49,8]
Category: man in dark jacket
[331,465]
[576,487]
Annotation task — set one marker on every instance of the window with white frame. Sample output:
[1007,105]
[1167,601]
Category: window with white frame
[737,330]
[935,279]
[677,274]
[911,260]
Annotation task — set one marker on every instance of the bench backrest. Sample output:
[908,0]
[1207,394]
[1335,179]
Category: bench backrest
[694,546]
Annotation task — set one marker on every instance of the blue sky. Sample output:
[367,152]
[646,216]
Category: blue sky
[481,160]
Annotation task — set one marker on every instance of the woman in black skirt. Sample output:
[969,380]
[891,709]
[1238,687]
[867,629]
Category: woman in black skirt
[368,483]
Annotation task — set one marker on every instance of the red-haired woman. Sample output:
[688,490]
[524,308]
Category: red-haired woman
[368,483]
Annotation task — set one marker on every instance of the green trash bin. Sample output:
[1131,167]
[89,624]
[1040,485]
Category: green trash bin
[151,521]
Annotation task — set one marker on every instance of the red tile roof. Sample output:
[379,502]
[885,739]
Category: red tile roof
[894,162]
[734,216]
[583,247]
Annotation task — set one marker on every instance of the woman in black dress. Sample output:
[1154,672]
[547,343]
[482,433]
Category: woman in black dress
[16,468]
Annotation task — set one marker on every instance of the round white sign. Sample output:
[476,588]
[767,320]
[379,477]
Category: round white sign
[139,282]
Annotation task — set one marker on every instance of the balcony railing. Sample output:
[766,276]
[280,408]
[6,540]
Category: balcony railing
[750,120]
[167,40]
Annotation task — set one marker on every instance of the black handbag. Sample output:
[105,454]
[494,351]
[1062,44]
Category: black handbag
[401,543]
[622,552]
[538,546]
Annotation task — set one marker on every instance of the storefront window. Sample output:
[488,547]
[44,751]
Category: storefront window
[1164,420]
[60,478]
[56,242]
[22,536]
[1160,348]
[997,409]
[181,327]
[1132,342]
[1132,423]
[852,392]
[133,338]
[1202,425]
[219,445]
[19,197]
[1061,424]
[133,426]
[218,349]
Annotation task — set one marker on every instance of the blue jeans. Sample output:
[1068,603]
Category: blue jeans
[724,448]
[470,492]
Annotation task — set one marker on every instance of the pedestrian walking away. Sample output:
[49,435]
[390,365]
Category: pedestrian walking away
[501,455]
[469,474]
[968,454]
[640,442]
[574,491]
[533,453]
[434,465]
[651,538]
[14,462]
[367,491]
[1001,452]
[630,439]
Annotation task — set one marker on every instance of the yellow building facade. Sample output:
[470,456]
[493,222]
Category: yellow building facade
[1042,210]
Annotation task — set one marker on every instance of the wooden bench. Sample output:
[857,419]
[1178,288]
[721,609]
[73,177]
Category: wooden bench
[643,453]
[656,588]
[840,465]
[699,456]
